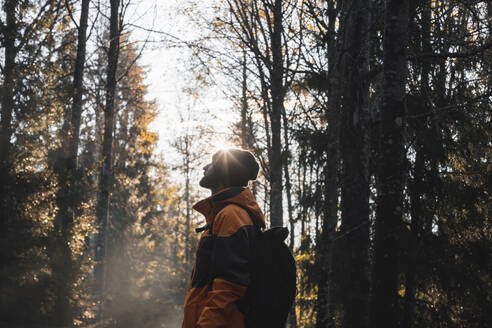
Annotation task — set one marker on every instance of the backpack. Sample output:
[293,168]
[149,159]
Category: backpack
[272,290]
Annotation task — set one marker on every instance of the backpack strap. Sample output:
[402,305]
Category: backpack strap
[202,228]
[256,222]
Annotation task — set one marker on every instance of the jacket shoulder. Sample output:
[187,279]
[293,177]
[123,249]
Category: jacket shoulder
[230,219]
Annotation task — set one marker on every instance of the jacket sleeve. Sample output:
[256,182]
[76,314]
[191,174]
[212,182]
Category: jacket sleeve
[230,267]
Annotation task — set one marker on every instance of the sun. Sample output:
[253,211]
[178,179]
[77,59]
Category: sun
[221,144]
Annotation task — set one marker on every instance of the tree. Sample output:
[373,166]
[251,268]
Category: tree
[9,35]
[63,264]
[14,30]
[365,108]
[191,149]
[355,149]
[260,27]
[106,179]
[390,174]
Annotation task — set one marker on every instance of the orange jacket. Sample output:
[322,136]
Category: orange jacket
[221,275]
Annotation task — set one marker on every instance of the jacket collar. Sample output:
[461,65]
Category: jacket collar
[241,196]
[210,206]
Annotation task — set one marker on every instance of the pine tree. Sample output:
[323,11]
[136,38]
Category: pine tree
[355,148]
[389,213]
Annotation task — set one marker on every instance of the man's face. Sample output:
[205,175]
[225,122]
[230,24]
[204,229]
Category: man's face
[209,179]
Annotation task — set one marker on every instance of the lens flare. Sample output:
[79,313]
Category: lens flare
[221,144]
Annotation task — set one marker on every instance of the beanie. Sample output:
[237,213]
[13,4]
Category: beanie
[235,167]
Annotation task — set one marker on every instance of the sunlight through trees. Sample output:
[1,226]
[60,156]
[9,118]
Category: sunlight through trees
[370,119]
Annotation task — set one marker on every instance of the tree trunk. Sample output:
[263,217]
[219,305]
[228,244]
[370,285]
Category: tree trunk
[290,210]
[106,180]
[288,186]
[304,206]
[355,157]
[187,200]
[62,262]
[244,105]
[384,311]
[278,94]
[7,103]
[325,304]
[78,91]
[10,31]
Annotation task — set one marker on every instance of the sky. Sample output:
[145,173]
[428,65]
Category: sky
[169,73]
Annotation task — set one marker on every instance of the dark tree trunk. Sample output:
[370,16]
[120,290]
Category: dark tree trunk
[244,105]
[384,310]
[78,91]
[288,185]
[325,304]
[277,93]
[187,199]
[355,158]
[7,103]
[326,301]
[10,31]
[290,210]
[62,262]
[106,180]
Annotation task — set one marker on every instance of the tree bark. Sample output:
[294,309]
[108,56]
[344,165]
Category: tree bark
[277,94]
[106,180]
[10,31]
[7,103]
[325,304]
[384,311]
[288,185]
[355,146]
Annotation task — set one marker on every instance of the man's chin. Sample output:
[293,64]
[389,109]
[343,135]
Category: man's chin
[206,182]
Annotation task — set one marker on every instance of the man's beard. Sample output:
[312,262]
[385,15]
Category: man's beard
[209,181]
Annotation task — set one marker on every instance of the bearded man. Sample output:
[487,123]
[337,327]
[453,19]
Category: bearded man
[221,273]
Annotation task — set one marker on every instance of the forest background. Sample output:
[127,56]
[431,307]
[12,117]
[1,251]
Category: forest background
[371,120]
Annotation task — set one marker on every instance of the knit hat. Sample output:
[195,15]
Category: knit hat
[235,167]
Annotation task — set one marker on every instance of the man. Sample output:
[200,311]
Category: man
[221,273]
